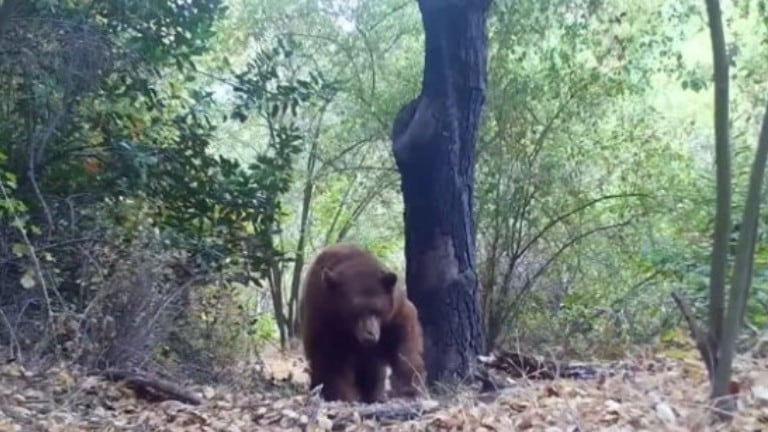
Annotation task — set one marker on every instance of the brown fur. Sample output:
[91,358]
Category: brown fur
[356,320]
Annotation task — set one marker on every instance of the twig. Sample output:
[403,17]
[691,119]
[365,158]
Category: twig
[394,411]
[704,340]
[35,261]
[518,365]
[13,341]
[574,211]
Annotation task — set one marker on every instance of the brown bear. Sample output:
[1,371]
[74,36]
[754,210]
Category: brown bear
[355,321]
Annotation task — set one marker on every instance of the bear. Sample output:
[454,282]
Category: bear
[355,321]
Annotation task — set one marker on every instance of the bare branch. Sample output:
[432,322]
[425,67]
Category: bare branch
[565,246]
[331,162]
[528,198]
[361,206]
[570,213]
[337,213]
[705,342]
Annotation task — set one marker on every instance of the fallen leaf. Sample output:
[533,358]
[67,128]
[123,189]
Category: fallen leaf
[209,392]
[761,394]
[27,280]
[665,412]
[324,423]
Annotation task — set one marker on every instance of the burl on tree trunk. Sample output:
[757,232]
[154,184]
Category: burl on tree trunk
[433,141]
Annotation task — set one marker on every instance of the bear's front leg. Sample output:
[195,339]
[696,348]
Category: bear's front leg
[371,374]
[340,388]
[338,383]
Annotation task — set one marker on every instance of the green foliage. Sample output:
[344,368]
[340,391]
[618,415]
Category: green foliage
[263,328]
[11,209]
[221,124]
[112,123]
[163,33]
[610,101]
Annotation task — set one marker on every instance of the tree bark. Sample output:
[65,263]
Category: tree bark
[433,141]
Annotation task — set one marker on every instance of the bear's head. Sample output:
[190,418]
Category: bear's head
[364,296]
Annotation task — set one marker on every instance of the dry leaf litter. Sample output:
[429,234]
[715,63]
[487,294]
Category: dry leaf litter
[648,393]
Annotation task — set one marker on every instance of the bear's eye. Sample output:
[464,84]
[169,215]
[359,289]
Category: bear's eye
[367,307]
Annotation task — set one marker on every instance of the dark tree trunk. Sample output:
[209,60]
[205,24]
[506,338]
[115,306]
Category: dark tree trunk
[433,141]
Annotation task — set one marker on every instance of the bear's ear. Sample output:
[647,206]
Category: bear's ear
[329,279]
[389,280]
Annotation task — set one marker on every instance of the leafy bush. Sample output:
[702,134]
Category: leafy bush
[119,205]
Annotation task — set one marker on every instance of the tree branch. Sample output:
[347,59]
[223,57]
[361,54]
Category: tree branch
[360,207]
[581,236]
[705,343]
[329,162]
[742,271]
[719,257]
[570,213]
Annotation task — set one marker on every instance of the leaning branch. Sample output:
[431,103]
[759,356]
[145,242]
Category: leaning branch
[704,340]
[742,267]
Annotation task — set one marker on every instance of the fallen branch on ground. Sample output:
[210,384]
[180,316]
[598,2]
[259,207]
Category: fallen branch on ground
[518,365]
[152,388]
[384,413]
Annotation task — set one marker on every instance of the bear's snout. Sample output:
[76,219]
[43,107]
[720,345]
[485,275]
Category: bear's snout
[368,330]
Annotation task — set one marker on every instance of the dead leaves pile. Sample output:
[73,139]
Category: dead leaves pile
[653,393]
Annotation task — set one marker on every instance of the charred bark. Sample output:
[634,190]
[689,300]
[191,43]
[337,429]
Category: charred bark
[433,141]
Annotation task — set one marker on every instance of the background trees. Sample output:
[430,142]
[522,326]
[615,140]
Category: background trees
[184,160]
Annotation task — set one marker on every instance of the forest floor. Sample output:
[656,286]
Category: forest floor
[649,392]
